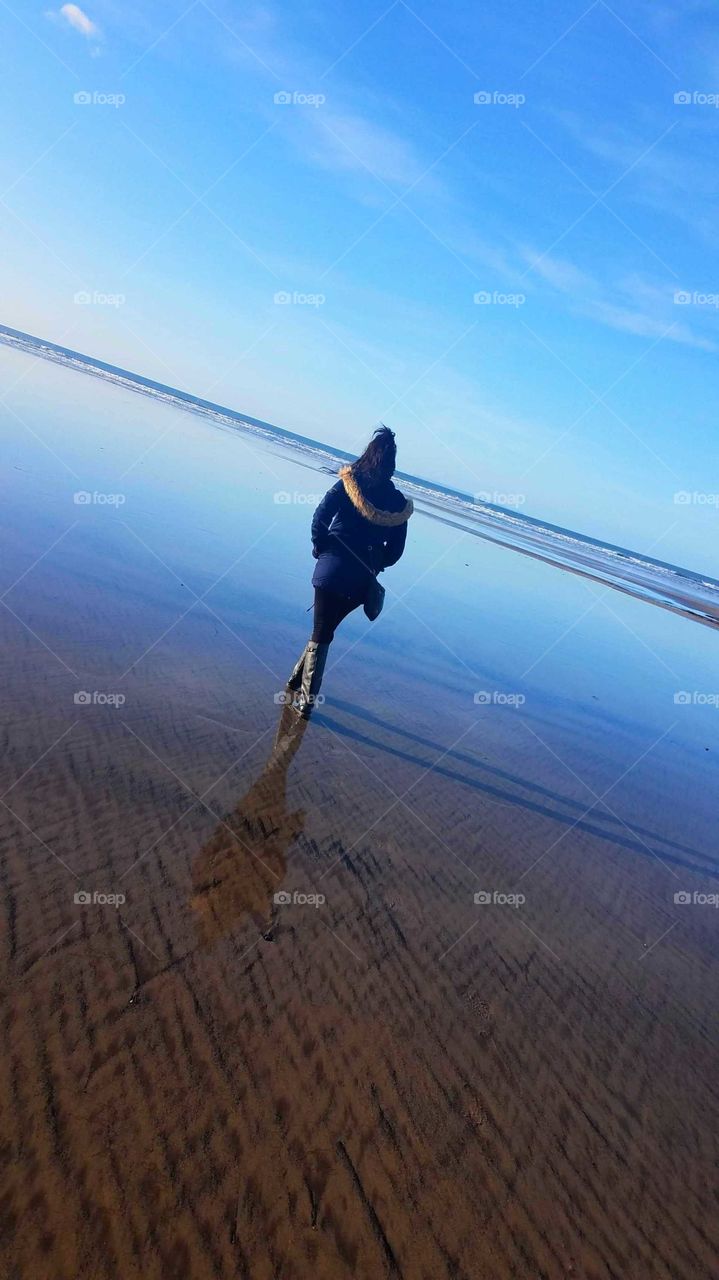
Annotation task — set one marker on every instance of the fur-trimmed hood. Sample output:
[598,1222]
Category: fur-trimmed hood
[374,514]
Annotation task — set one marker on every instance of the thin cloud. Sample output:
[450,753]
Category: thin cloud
[77,18]
[659,178]
[353,143]
[630,304]
[350,134]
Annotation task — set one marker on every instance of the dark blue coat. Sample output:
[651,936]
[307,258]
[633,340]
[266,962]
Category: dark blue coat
[356,532]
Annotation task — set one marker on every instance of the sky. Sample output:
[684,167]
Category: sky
[492,227]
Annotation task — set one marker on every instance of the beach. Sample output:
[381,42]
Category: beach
[425,987]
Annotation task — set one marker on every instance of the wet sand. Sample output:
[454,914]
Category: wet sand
[395,1080]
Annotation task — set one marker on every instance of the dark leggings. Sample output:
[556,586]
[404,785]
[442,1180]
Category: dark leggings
[330,609]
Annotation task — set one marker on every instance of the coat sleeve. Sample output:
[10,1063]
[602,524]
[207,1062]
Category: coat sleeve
[323,517]
[394,545]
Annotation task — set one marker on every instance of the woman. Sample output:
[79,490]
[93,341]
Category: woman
[359,529]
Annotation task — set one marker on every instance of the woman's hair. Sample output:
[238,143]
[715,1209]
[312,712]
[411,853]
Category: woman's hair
[379,458]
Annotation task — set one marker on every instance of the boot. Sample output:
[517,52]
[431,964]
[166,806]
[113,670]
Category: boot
[312,672]
[296,678]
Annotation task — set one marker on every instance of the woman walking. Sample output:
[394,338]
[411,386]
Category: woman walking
[359,529]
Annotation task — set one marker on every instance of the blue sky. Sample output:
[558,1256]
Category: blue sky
[581,198]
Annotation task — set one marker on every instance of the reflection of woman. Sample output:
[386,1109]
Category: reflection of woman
[359,529]
[244,862]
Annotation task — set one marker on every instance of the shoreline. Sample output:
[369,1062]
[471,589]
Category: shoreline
[617,567]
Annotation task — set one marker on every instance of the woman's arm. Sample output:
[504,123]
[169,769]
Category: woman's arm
[323,517]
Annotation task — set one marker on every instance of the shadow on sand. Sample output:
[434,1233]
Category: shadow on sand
[241,867]
[625,835]
[243,864]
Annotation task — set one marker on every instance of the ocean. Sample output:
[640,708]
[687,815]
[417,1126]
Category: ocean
[681,590]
